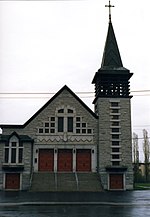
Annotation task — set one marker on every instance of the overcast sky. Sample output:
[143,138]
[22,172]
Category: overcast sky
[47,44]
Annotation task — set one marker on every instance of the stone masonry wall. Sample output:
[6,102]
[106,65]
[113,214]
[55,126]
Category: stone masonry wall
[105,149]
[64,99]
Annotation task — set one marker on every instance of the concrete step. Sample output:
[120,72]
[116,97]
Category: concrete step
[43,181]
[89,182]
[66,182]
[46,181]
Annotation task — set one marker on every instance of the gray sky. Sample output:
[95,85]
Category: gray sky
[47,44]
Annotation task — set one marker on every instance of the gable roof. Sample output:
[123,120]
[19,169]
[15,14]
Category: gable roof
[46,104]
[6,138]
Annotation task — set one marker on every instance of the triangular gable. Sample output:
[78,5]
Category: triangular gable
[48,103]
[14,134]
[6,138]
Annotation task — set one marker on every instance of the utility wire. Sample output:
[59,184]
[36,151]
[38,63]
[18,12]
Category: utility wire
[33,95]
[81,92]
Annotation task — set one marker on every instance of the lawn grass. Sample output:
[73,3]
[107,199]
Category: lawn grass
[142,186]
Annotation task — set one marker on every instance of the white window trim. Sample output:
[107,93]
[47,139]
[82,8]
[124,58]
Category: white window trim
[10,147]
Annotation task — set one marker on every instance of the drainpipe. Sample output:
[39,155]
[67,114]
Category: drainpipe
[31,168]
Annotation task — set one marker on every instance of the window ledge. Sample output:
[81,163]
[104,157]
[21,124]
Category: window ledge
[116,153]
[12,167]
[116,168]
[116,159]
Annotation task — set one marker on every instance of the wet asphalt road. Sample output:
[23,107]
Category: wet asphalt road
[76,211]
[104,204]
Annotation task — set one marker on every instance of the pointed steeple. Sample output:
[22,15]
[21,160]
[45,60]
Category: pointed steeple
[111,56]
[112,79]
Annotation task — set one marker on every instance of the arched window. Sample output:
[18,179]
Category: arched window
[65,119]
[13,151]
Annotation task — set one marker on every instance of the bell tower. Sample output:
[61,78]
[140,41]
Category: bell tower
[112,105]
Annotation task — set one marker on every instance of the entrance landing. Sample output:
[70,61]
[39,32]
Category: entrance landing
[69,182]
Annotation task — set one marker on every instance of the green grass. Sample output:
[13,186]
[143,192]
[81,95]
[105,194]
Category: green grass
[142,186]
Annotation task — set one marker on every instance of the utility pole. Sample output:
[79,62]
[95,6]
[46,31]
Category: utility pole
[146,150]
[135,150]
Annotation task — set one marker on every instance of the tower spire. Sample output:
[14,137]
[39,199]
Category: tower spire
[112,79]
[109,6]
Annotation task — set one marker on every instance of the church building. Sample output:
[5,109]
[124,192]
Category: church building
[65,146]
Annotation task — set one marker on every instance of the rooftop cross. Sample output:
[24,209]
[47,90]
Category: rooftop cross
[109,6]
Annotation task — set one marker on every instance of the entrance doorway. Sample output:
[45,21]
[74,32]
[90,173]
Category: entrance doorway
[46,160]
[64,160]
[116,181]
[83,159]
[12,181]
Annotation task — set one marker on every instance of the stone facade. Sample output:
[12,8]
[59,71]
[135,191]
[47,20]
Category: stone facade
[106,146]
[42,129]
[90,132]
[67,136]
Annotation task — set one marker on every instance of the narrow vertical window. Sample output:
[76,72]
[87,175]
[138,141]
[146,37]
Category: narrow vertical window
[60,124]
[13,152]
[6,155]
[20,155]
[70,124]
[13,155]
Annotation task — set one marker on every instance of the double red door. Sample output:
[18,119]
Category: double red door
[64,163]
[83,160]
[12,181]
[46,160]
[116,181]
[65,160]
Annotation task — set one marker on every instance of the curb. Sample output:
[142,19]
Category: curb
[70,203]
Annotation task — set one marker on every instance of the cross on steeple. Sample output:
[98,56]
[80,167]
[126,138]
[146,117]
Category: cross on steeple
[109,6]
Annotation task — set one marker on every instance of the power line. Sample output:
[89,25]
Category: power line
[39,95]
[81,92]
[134,91]
[141,138]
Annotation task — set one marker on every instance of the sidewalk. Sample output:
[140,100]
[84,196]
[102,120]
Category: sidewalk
[50,197]
[127,198]
[53,197]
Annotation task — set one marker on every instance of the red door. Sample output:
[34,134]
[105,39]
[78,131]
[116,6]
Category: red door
[65,160]
[83,160]
[46,160]
[116,181]
[12,181]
